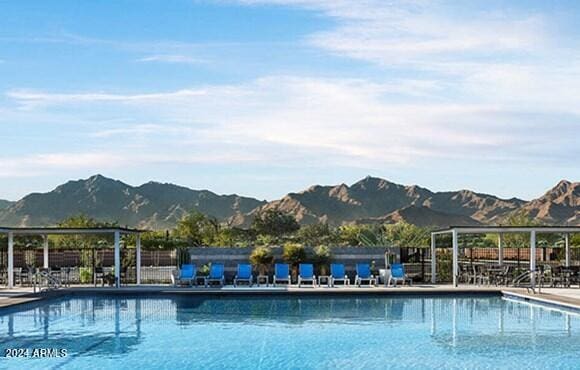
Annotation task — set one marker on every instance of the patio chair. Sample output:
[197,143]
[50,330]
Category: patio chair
[216,275]
[306,274]
[398,274]
[244,274]
[98,275]
[363,273]
[186,274]
[281,273]
[337,274]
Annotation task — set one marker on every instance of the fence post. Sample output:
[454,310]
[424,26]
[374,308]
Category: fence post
[422,264]
[433,260]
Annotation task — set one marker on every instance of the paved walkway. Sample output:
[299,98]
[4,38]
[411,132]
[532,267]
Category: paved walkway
[9,297]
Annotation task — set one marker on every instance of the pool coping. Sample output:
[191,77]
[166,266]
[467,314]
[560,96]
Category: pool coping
[544,298]
[423,290]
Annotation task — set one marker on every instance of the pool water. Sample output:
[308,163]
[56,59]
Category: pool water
[291,332]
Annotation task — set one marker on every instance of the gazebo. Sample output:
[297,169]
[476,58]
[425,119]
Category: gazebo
[455,231]
[11,232]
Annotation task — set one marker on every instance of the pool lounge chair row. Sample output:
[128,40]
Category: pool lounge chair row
[188,275]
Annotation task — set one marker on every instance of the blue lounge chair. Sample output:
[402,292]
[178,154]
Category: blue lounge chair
[216,274]
[398,274]
[337,274]
[363,273]
[281,273]
[306,274]
[244,274]
[186,275]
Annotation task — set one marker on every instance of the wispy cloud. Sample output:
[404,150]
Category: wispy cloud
[345,121]
[172,58]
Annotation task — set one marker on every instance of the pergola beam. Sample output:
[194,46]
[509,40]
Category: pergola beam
[533,258]
[10,260]
[567,249]
[455,243]
[45,251]
[138,258]
[500,249]
[509,229]
[117,259]
[433,260]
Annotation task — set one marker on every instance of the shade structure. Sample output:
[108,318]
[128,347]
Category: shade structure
[117,232]
[455,231]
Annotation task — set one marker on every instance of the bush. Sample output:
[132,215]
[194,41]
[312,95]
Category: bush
[203,270]
[85,275]
[294,253]
[262,258]
[322,257]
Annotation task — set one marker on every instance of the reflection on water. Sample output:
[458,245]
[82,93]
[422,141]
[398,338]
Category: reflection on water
[109,327]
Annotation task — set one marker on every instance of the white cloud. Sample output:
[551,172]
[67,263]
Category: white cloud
[301,121]
[50,163]
[171,58]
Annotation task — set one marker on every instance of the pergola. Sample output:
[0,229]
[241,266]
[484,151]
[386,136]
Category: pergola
[500,230]
[11,232]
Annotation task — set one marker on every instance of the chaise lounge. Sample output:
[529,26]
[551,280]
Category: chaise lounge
[244,274]
[363,273]
[306,274]
[337,274]
[216,275]
[186,275]
[398,274]
[281,273]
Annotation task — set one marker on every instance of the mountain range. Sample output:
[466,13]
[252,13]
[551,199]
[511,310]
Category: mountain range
[157,205]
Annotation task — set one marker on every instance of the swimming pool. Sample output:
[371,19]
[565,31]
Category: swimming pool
[298,332]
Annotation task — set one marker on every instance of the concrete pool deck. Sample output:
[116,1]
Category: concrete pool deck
[569,297]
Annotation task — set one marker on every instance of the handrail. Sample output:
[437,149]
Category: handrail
[536,276]
[50,282]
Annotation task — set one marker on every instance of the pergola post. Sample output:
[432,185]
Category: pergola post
[138,258]
[455,257]
[500,249]
[567,247]
[533,258]
[10,260]
[117,259]
[433,260]
[45,251]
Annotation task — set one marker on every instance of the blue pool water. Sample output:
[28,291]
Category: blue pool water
[266,332]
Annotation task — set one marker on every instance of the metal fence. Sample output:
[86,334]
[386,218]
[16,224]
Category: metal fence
[78,265]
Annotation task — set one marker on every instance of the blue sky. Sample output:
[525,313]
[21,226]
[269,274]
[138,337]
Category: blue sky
[264,97]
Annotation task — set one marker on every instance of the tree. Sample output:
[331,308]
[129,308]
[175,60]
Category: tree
[519,240]
[233,237]
[262,258]
[317,234]
[197,229]
[82,241]
[275,223]
[294,254]
[401,234]
[350,234]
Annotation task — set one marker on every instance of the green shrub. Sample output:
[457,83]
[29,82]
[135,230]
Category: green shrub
[322,257]
[86,275]
[203,270]
[262,258]
[294,253]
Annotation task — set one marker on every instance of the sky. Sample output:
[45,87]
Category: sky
[266,97]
